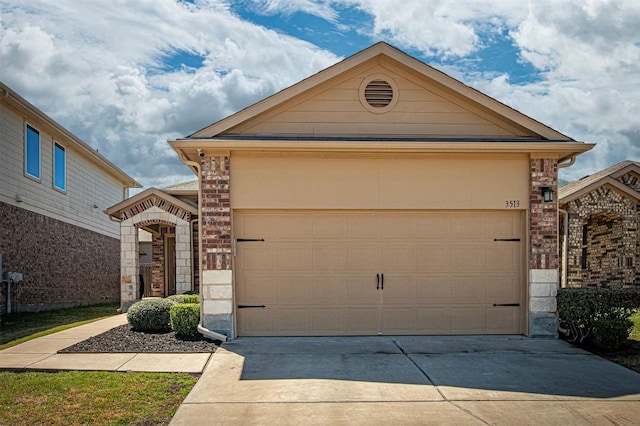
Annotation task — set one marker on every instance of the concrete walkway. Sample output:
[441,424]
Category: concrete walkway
[484,380]
[41,354]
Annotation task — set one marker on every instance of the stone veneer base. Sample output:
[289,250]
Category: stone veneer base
[219,323]
[543,325]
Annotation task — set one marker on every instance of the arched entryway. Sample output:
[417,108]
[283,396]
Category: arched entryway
[171,224]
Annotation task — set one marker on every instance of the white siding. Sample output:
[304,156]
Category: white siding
[87,184]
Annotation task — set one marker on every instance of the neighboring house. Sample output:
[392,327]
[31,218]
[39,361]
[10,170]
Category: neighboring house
[379,196]
[170,215]
[54,189]
[601,228]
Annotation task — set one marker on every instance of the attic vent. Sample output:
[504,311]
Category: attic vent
[378,93]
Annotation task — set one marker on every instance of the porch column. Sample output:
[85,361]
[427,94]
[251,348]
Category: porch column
[216,263]
[183,256]
[129,268]
[544,255]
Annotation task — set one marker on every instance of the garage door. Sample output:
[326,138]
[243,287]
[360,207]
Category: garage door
[309,273]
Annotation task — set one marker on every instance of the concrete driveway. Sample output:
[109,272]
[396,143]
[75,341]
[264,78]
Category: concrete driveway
[410,380]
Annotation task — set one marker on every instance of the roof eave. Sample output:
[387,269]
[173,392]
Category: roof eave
[189,148]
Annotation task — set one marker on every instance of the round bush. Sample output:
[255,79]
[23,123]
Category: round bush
[185,298]
[611,333]
[150,315]
[185,318]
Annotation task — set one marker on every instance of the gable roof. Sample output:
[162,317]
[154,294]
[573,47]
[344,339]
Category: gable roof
[517,129]
[7,95]
[189,187]
[607,176]
[116,210]
[388,51]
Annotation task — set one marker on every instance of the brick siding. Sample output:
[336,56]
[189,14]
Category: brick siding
[543,216]
[216,214]
[610,222]
[63,265]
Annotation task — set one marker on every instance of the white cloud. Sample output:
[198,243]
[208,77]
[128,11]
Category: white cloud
[437,27]
[321,9]
[98,71]
[587,53]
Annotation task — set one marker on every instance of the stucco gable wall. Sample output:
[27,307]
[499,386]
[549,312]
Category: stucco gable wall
[423,108]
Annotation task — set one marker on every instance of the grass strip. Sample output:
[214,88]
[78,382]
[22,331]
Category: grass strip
[22,324]
[47,332]
[96,398]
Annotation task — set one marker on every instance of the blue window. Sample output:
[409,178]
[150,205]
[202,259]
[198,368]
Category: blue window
[59,167]
[32,152]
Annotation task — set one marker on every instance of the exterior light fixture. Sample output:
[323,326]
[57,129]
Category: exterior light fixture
[18,198]
[547,194]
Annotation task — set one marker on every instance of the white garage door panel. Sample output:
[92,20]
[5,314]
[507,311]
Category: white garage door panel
[315,273]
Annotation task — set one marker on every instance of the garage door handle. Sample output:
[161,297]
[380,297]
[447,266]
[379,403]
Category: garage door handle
[506,239]
[246,240]
[382,281]
[506,304]
[251,306]
[377,281]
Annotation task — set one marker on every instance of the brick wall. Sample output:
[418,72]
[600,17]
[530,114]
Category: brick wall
[196,257]
[63,265]
[216,214]
[216,287]
[543,216]
[609,222]
[157,249]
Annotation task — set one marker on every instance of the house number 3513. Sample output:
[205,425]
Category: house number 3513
[512,204]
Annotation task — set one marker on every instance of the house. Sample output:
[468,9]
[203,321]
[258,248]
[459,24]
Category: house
[601,228]
[53,190]
[170,215]
[378,196]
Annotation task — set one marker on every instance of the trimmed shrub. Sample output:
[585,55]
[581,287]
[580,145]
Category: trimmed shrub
[610,334]
[597,315]
[185,298]
[185,318]
[150,315]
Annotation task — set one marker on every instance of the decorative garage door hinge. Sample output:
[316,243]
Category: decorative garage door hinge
[245,240]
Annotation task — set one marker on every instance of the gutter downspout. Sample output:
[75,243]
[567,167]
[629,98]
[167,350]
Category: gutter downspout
[572,160]
[565,224]
[201,329]
[565,247]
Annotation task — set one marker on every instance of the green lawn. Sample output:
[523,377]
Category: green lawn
[635,333]
[26,324]
[96,398]
[82,397]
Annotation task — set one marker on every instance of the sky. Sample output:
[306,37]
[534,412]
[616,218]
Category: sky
[126,76]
